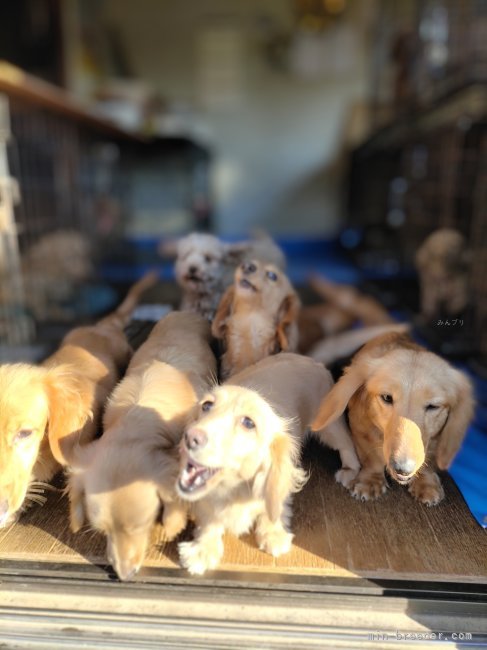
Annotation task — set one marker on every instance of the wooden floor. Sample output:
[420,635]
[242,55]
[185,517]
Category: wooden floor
[335,535]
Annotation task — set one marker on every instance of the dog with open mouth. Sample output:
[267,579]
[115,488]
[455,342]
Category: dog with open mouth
[240,457]
[408,411]
[125,477]
[256,317]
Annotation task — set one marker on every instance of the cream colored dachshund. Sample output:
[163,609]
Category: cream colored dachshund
[240,458]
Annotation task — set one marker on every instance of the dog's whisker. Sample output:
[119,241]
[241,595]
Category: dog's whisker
[36,498]
[42,484]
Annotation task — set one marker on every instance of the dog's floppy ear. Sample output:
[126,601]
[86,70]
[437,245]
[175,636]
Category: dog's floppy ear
[219,325]
[234,254]
[286,330]
[335,402]
[284,476]
[70,413]
[459,417]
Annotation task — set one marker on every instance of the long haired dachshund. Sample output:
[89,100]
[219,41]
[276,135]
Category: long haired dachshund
[408,411]
[127,474]
[240,457]
[47,411]
[256,317]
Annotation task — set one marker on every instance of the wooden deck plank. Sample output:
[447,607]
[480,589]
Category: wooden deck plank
[394,537]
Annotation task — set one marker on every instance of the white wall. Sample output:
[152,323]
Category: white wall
[276,149]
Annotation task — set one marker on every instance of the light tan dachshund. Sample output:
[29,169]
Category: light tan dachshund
[256,317]
[408,411]
[133,467]
[240,458]
[47,411]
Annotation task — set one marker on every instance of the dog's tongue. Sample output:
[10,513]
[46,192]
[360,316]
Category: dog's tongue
[194,476]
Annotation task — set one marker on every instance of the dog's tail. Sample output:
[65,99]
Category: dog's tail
[121,315]
[344,345]
[125,309]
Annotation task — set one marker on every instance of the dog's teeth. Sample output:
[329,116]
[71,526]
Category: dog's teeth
[198,480]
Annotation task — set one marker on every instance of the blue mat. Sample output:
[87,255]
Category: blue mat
[468,471]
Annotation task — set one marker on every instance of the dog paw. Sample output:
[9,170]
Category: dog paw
[345,476]
[276,542]
[367,488]
[428,492]
[198,558]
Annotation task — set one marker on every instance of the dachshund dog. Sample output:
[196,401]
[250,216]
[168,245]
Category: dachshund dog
[124,477]
[47,411]
[443,261]
[205,265]
[240,456]
[408,411]
[256,317]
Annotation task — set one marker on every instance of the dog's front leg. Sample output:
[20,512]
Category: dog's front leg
[337,436]
[272,537]
[205,551]
[370,482]
[174,519]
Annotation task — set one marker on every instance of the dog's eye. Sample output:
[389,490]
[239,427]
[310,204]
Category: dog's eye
[387,398]
[272,276]
[431,407]
[207,405]
[208,259]
[247,423]
[23,434]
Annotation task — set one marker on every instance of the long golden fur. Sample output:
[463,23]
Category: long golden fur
[47,411]
[240,457]
[256,317]
[133,467]
[408,412]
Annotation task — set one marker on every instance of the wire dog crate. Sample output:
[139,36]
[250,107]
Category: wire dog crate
[75,190]
[420,174]
[56,177]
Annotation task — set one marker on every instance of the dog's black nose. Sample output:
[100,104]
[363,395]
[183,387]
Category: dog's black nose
[193,269]
[195,438]
[248,267]
[402,468]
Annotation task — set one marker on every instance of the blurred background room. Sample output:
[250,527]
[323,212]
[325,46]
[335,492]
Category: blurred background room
[349,130]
